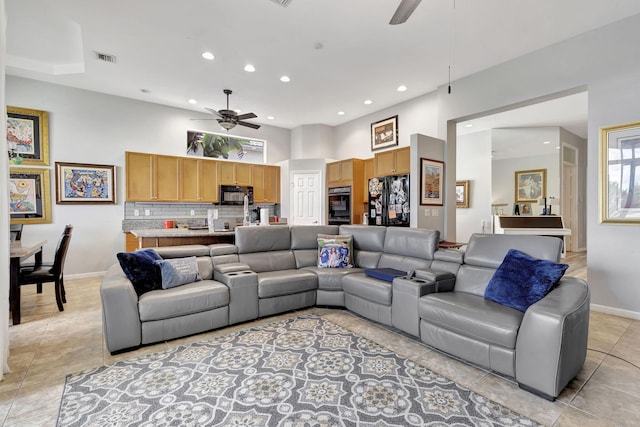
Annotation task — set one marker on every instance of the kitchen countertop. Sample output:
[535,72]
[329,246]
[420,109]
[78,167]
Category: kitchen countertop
[178,232]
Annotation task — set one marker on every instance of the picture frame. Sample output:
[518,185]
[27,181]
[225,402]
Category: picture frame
[619,203]
[384,133]
[462,194]
[29,196]
[28,136]
[530,185]
[431,182]
[526,209]
[85,183]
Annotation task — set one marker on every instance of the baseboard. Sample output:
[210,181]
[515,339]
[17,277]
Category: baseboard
[615,311]
[85,275]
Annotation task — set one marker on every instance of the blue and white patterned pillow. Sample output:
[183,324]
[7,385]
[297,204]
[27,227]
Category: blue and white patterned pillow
[178,271]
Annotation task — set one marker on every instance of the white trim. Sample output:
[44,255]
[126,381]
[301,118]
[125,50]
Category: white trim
[616,311]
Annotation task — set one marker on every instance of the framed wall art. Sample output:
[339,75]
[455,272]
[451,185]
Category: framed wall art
[620,174]
[28,136]
[462,194]
[85,183]
[530,185]
[431,182]
[384,133]
[29,199]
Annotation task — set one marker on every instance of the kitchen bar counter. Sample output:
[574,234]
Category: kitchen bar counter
[153,238]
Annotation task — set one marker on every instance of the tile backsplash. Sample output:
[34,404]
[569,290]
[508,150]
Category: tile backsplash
[183,211]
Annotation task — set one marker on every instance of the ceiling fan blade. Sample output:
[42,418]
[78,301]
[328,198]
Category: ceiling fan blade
[404,11]
[203,119]
[211,110]
[249,125]
[246,116]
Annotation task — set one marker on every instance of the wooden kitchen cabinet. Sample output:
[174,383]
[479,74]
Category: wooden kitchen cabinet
[369,172]
[393,162]
[266,184]
[130,242]
[342,170]
[233,173]
[198,180]
[151,177]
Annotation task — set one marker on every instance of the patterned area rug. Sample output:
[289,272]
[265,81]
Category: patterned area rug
[303,371]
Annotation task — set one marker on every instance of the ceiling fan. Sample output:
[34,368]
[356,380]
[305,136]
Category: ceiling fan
[404,11]
[229,118]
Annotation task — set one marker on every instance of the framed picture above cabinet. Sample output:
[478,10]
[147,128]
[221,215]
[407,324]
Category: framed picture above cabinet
[384,133]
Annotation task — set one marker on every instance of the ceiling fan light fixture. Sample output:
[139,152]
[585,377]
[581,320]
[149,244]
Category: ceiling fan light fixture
[227,124]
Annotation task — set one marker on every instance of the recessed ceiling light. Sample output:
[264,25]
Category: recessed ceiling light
[468,125]
[285,79]
[402,88]
[237,110]
[368,102]
[249,68]
[192,101]
[270,117]
[557,148]
[341,113]
[547,142]
[208,55]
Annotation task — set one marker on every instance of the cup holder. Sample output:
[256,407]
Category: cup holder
[419,281]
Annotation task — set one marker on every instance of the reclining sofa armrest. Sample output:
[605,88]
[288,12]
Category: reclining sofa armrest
[552,342]
[120,316]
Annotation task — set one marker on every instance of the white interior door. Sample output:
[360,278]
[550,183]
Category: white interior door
[306,198]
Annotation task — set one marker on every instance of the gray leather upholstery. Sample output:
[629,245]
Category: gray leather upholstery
[543,348]
[273,269]
[182,251]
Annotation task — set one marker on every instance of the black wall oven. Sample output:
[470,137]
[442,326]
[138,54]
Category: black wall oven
[339,205]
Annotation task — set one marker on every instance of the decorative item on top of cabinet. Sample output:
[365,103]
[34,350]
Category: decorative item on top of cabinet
[198,180]
[393,162]
[235,173]
[266,184]
[151,177]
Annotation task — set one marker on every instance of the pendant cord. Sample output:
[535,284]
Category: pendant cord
[452,49]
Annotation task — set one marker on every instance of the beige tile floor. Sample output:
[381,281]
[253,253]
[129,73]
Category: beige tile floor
[48,345]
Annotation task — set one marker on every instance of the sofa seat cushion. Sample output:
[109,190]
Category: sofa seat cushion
[374,290]
[330,279]
[285,282]
[183,300]
[472,316]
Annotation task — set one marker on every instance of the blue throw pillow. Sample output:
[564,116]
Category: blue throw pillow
[140,268]
[178,271]
[521,280]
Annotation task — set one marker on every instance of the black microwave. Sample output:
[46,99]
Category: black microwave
[234,194]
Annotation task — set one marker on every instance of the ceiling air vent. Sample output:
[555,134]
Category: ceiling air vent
[105,57]
[283,3]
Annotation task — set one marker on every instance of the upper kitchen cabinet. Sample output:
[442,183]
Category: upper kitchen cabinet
[198,180]
[151,177]
[233,173]
[369,172]
[393,162]
[342,171]
[266,184]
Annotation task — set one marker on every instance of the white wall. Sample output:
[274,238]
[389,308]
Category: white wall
[89,127]
[603,60]
[473,163]
[416,116]
[311,141]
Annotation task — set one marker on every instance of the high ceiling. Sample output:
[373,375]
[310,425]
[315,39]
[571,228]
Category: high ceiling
[337,53]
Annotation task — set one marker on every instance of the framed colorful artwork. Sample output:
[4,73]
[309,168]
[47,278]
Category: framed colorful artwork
[28,136]
[531,185]
[85,183]
[29,199]
[384,133]
[620,174]
[462,194]
[431,182]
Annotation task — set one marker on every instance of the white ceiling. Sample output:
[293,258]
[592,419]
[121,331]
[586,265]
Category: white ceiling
[337,52]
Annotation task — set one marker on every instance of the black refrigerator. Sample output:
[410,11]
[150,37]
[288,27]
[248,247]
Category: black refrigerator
[389,201]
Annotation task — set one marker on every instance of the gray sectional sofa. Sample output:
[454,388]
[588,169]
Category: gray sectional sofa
[440,301]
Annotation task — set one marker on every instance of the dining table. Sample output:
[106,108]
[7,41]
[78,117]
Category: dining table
[19,251]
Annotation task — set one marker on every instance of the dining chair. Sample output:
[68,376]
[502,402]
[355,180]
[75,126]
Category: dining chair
[16,231]
[47,272]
